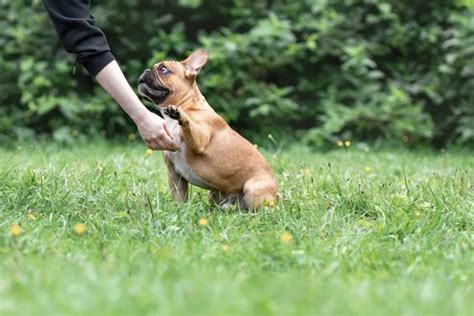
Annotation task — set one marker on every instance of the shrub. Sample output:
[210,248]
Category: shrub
[323,70]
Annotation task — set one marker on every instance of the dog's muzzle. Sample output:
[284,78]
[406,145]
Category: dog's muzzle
[149,87]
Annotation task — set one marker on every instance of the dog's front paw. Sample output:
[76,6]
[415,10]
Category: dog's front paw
[172,112]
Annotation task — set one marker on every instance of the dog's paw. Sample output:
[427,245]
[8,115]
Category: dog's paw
[172,112]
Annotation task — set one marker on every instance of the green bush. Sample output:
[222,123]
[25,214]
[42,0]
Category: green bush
[320,70]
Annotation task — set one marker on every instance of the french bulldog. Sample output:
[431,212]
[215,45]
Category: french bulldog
[212,155]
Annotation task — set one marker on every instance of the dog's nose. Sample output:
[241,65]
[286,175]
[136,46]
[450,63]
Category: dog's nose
[143,76]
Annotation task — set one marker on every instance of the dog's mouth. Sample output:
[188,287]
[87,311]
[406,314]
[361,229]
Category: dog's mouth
[149,87]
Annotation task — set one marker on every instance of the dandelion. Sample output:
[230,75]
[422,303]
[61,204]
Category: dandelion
[80,229]
[203,221]
[286,238]
[132,136]
[347,143]
[225,248]
[340,143]
[307,171]
[271,203]
[367,169]
[30,216]
[148,152]
[15,230]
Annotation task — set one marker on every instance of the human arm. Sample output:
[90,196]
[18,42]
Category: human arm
[152,128]
[79,34]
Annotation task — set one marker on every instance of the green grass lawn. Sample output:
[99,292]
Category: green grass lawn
[356,232]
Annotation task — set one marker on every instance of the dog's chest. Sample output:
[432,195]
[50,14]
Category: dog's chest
[178,158]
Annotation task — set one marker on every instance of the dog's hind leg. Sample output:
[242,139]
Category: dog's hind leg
[259,191]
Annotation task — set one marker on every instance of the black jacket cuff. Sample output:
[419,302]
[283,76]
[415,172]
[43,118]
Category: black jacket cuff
[95,63]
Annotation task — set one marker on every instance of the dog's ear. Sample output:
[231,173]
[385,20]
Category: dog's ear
[194,63]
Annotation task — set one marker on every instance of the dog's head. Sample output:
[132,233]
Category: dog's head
[171,80]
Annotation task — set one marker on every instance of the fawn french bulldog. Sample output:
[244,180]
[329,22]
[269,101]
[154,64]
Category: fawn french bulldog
[212,155]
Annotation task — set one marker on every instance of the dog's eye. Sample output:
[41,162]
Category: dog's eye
[163,69]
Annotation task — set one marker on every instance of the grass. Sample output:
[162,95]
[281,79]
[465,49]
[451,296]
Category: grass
[356,232]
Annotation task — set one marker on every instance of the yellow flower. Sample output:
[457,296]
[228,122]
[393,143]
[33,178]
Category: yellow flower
[132,136]
[30,216]
[307,171]
[367,169]
[225,248]
[340,143]
[418,214]
[286,238]
[80,229]
[148,152]
[347,143]
[203,221]
[271,203]
[15,230]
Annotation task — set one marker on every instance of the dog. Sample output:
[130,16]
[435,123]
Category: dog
[212,155]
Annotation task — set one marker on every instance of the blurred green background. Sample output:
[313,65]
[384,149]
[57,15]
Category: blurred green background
[397,72]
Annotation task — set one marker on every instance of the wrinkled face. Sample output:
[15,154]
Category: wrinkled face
[171,80]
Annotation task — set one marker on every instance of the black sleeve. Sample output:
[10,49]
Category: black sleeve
[77,31]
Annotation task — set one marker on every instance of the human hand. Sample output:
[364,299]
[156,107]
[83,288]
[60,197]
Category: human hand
[155,134]
[152,128]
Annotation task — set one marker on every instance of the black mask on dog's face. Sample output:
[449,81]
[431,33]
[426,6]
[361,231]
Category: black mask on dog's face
[149,86]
